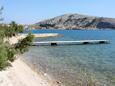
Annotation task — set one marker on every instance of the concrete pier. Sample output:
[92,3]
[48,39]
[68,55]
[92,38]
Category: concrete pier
[80,42]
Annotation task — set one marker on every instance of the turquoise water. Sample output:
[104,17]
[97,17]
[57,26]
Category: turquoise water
[77,65]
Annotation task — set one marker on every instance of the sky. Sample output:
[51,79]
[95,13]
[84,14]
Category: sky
[32,11]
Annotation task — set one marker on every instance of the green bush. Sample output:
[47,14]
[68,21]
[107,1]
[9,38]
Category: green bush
[13,29]
[16,28]
[3,56]
[7,51]
[23,44]
[20,29]
[11,54]
[2,32]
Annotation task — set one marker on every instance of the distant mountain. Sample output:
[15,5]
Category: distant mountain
[76,21]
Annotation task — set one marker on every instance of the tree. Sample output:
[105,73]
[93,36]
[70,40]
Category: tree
[8,51]
[1,19]
[13,29]
[3,58]
[16,28]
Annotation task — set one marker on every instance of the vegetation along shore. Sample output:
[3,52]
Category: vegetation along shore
[16,73]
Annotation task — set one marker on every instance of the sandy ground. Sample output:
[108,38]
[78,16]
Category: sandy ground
[20,74]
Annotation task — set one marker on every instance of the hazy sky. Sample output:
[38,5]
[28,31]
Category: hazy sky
[32,11]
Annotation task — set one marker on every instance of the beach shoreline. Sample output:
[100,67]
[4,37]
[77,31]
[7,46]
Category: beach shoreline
[20,74]
[44,75]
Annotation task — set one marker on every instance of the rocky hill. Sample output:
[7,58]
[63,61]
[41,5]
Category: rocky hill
[76,21]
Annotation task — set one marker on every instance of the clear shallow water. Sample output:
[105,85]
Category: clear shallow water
[77,65]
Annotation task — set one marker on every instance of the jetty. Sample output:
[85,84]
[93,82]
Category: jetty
[42,35]
[80,42]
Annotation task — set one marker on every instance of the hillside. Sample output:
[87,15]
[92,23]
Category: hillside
[76,21]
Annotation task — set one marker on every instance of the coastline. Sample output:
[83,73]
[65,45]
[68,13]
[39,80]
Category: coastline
[20,74]
[42,35]
[15,39]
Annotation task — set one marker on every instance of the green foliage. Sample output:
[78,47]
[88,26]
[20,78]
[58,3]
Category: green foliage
[11,54]
[23,45]
[2,32]
[20,29]
[3,56]
[8,51]
[16,28]
[13,29]
[9,32]
[7,54]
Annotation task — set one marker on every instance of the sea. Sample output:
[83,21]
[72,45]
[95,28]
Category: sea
[76,65]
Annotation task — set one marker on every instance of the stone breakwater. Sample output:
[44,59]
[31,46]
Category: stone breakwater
[43,35]
[15,39]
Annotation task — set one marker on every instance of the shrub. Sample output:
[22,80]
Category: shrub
[23,45]
[16,28]
[11,54]
[3,57]
[7,51]
[13,29]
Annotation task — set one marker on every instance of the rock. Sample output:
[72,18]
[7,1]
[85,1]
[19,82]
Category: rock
[76,21]
[58,82]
